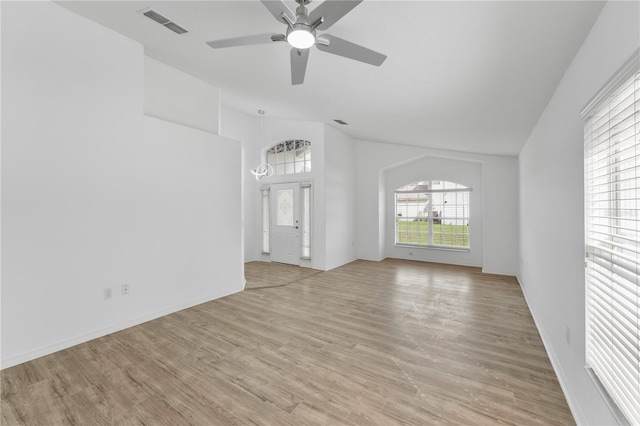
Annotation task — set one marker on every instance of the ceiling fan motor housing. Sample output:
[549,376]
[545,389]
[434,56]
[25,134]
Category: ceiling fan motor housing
[301,34]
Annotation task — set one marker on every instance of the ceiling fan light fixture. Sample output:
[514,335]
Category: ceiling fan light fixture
[301,38]
[301,34]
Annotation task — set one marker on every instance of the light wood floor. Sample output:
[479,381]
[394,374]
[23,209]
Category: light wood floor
[391,342]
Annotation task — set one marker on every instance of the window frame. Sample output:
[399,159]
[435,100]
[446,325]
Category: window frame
[265,198]
[283,157]
[306,215]
[432,220]
[609,270]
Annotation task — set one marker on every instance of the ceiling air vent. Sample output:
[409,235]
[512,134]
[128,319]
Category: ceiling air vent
[165,22]
[341,122]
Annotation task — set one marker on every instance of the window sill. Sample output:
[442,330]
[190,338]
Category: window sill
[615,410]
[441,248]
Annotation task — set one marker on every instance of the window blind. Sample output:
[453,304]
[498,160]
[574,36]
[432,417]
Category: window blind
[612,231]
[306,221]
[266,205]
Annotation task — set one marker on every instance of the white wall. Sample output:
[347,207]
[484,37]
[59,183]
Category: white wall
[552,207]
[499,204]
[468,173]
[244,128]
[96,195]
[500,210]
[340,198]
[180,98]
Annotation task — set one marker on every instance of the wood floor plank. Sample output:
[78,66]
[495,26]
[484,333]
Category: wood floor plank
[390,342]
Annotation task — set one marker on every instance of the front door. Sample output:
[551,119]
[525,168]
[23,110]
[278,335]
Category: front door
[285,223]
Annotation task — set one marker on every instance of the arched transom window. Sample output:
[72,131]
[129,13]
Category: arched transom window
[433,213]
[290,157]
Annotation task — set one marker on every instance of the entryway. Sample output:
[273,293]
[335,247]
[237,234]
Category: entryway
[267,275]
[285,223]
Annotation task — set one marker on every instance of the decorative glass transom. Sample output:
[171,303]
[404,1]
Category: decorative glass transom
[290,157]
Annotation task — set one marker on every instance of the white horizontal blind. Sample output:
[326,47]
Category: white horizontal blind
[306,221]
[266,222]
[612,222]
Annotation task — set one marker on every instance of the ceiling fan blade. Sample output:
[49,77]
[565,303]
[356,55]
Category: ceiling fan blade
[277,8]
[332,11]
[299,58]
[337,46]
[247,40]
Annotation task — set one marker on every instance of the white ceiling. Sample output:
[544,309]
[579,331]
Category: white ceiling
[469,76]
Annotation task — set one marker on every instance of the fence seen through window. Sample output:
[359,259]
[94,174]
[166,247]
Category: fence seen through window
[433,213]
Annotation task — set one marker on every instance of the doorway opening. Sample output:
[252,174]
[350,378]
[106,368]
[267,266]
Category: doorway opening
[286,222]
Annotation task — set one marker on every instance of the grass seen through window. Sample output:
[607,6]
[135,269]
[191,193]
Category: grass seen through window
[417,232]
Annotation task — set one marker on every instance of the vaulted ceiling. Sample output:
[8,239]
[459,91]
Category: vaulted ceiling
[470,76]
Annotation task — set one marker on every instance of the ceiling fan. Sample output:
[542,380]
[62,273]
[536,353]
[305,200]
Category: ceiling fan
[301,34]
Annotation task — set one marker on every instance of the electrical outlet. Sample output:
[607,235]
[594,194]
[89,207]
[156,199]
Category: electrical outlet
[107,293]
[568,335]
[125,289]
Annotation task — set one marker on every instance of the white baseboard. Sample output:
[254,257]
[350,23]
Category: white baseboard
[49,349]
[506,274]
[576,411]
[371,259]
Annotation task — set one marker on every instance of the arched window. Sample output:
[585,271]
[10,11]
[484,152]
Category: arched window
[433,213]
[290,157]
